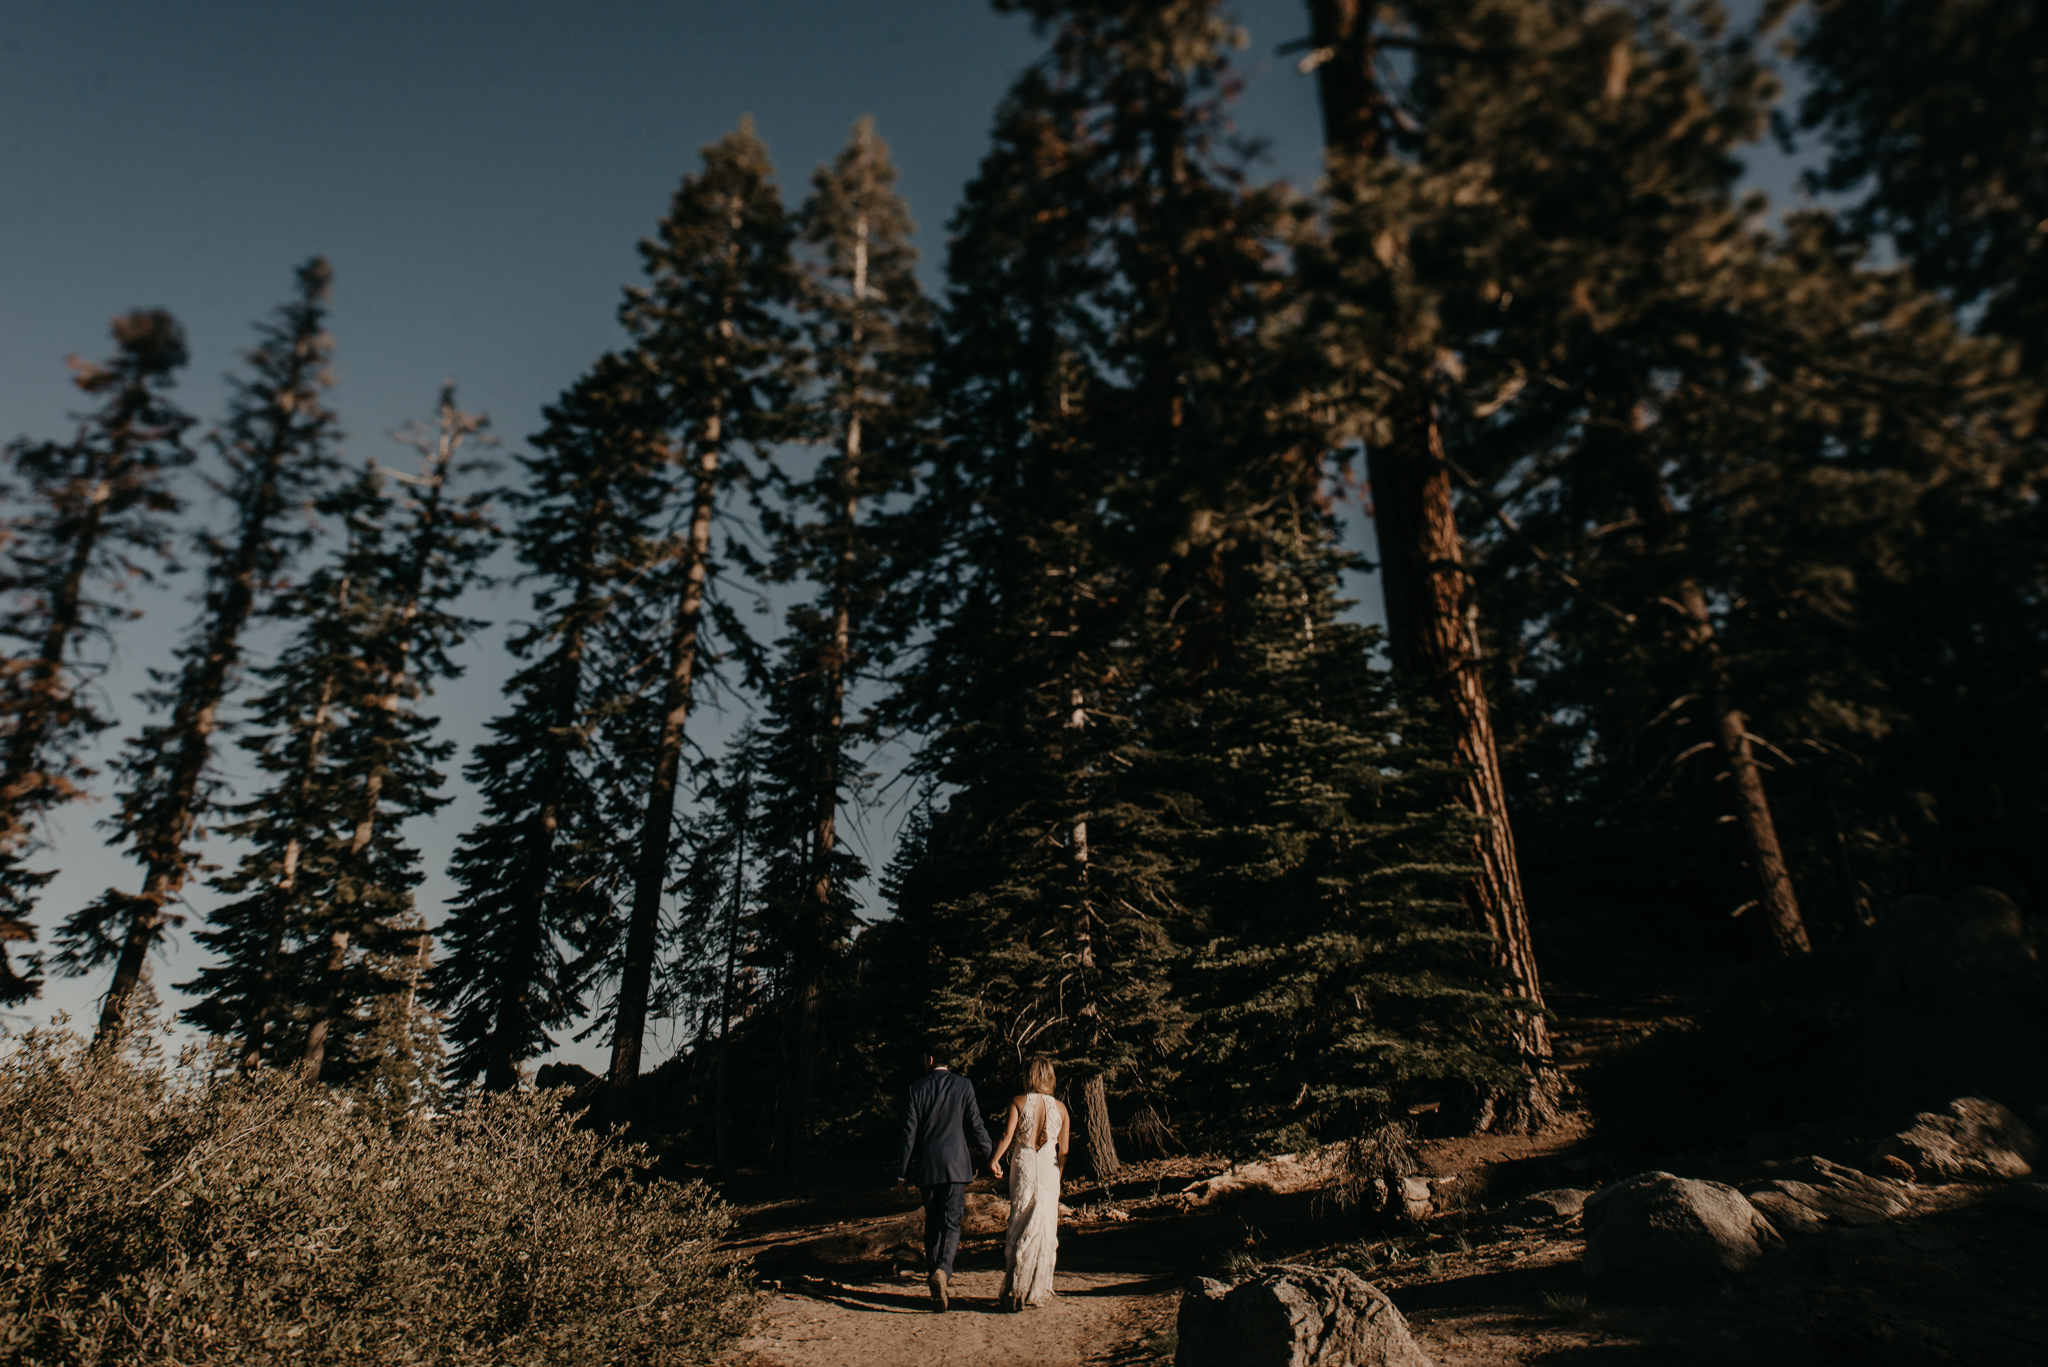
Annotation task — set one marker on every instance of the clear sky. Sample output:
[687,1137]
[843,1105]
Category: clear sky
[478,174]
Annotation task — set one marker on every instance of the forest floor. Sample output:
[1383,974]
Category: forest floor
[1491,1280]
[1480,1287]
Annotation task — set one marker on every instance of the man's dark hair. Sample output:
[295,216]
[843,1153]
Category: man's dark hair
[941,1055]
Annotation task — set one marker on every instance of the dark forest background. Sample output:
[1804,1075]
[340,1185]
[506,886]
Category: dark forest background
[1710,539]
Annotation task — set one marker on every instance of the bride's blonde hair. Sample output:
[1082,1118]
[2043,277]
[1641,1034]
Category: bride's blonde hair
[1038,1074]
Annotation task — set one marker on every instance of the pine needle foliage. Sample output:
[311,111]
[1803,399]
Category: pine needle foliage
[710,322]
[1343,981]
[532,927]
[276,453]
[92,520]
[324,893]
[1118,422]
[867,329]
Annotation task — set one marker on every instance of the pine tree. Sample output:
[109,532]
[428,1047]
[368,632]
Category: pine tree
[325,902]
[277,449]
[1118,427]
[709,323]
[94,521]
[1342,981]
[867,329]
[1396,358]
[1929,113]
[531,926]
[716,958]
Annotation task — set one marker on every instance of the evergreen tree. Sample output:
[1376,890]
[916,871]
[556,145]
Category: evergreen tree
[1930,113]
[867,329]
[277,450]
[530,927]
[1118,426]
[93,520]
[709,322]
[1342,980]
[1687,439]
[325,905]
[716,934]
[1390,344]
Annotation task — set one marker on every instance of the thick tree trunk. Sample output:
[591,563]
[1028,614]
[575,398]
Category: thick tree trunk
[636,970]
[1429,633]
[1428,596]
[1098,1141]
[1752,807]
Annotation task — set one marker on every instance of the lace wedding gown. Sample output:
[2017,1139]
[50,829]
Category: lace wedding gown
[1034,1237]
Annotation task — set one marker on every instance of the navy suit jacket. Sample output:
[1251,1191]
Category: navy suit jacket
[940,1124]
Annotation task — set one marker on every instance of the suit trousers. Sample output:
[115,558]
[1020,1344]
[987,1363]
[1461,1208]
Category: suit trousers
[944,1205]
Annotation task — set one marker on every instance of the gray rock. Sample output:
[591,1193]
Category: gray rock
[1560,1204]
[1292,1316]
[1805,1195]
[1658,1237]
[1976,1140]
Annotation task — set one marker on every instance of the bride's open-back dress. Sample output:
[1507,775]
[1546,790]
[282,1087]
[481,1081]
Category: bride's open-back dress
[1034,1238]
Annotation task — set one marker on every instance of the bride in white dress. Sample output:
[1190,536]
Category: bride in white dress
[1039,1128]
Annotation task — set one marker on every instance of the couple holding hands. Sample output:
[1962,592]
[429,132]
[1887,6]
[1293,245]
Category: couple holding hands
[942,1129]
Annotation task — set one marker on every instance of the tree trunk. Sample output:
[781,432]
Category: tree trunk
[264,1000]
[725,995]
[1098,1141]
[27,786]
[501,1070]
[636,971]
[1428,595]
[161,835]
[1752,807]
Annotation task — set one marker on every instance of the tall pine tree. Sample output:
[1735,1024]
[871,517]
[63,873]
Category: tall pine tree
[94,521]
[532,925]
[277,450]
[1396,365]
[710,323]
[867,327]
[1340,982]
[1117,431]
[324,917]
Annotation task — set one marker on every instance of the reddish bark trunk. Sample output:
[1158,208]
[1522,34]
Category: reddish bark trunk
[1430,636]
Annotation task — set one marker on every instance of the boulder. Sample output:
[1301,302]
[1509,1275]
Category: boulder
[1657,1237]
[1976,1140]
[1806,1195]
[1564,1203]
[1291,1316]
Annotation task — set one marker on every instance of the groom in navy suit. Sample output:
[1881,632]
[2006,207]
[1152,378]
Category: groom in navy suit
[940,1126]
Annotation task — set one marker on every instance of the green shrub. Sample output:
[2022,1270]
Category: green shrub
[151,1215]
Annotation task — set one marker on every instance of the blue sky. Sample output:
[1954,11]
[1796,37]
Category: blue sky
[478,174]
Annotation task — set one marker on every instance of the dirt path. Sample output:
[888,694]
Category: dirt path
[1095,1318]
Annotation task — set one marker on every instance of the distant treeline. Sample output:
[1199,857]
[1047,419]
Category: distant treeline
[1712,544]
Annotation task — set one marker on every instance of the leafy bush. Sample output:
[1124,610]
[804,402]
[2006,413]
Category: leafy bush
[151,1214]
